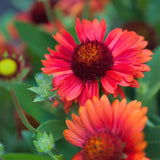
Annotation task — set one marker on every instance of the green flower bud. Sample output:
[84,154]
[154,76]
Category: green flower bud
[44,143]
[1,149]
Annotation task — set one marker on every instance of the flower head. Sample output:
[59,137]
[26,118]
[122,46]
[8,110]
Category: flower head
[108,131]
[79,70]
[13,67]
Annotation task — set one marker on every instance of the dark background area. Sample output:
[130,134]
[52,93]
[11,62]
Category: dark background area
[5,5]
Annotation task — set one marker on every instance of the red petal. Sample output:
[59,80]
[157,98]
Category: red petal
[126,41]
[70,87]
[108,84]
[90,90]
[65,39]
[73,138]
[113,37]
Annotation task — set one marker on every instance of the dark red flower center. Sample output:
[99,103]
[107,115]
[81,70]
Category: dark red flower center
[91,60]
[103,146]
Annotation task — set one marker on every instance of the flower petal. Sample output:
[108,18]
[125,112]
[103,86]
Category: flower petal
[65,39]
[90,90]
[127,40]
[90,30]
[73,138]
[79,156]
[108,84]
[77,129]
[86,120]
[113,37]
[70,87]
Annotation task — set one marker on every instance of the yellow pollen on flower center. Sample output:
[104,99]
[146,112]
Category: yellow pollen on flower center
[89,53]
[8,67]
[103,146]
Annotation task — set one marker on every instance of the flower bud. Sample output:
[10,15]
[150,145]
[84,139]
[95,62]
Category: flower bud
[1,149]
[44,143]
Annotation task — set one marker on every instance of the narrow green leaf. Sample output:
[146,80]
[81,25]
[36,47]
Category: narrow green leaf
[34,89]
[39,99]
[24,156]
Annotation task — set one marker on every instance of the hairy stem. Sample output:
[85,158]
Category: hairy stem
[20,112]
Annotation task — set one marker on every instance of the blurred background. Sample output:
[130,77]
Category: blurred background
[25,29]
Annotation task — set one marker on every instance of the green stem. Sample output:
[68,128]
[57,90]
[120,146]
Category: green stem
[48,11]
[20,112]
[52,156]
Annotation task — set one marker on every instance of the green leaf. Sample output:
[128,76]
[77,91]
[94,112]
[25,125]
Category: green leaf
[39,99]
[25,98]
[152,135]
[34,89]
[68,150]
[143,4]
[153,76]
[150,84]
[28,138]
[153,12]
[25,156]
[44,90]
[37,41]
[56,127]
[126,9]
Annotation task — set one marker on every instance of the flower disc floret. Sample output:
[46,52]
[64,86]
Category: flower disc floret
[103,146]
[8,67]
[91,60]
[13,67]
